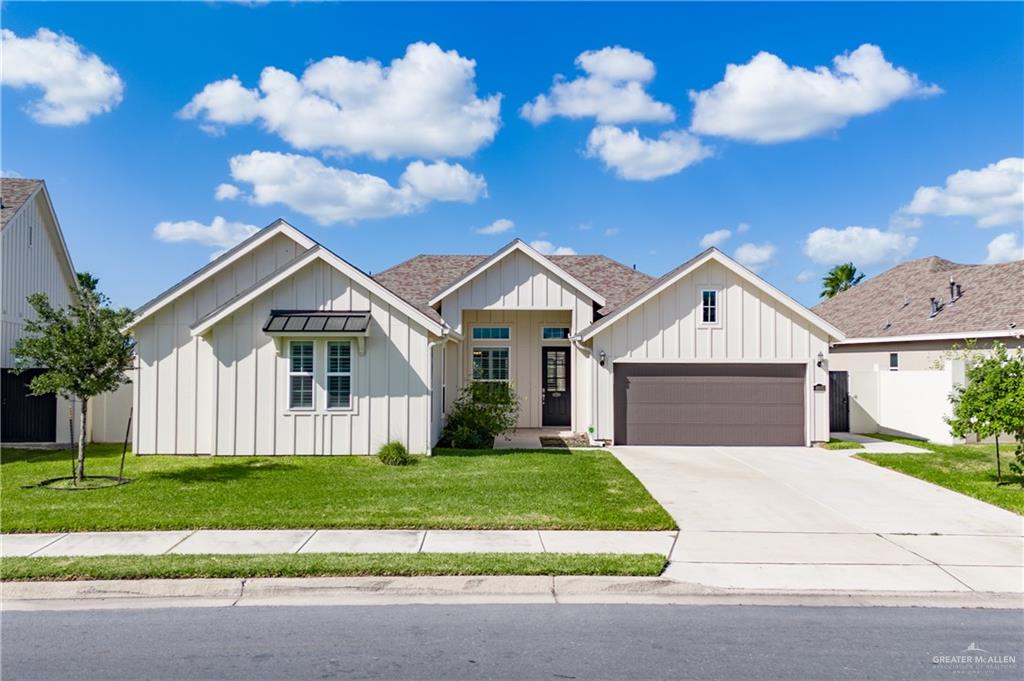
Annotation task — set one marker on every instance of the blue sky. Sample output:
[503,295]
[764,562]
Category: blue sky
[776,149]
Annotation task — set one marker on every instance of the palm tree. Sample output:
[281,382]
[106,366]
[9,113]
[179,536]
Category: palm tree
[839,279]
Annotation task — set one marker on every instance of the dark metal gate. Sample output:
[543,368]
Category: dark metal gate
[839,401]
[26,418]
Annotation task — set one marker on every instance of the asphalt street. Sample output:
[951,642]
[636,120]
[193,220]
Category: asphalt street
[514,642]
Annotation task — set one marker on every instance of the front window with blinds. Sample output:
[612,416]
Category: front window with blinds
[300,375]
[490,364]
[339,374]
[708,306]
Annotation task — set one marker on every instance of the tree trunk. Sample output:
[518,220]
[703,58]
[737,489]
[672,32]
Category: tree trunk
[80,470]
[999,464]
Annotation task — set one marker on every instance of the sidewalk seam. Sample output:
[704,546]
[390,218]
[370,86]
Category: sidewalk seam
[930,561]
[308,539]
[178,543]
[65,534]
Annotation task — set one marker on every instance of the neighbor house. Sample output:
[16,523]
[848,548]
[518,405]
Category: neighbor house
[280,346]
[895,370]
[35,260]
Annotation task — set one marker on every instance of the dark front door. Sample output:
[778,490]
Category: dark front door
[839,401]
[557,401]
[26,418]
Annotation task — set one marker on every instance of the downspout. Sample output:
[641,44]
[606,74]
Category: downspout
[430,385]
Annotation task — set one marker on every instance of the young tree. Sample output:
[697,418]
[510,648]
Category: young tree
[839,279]
[82,350]
[992,401]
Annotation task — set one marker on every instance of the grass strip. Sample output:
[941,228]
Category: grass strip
[833,443]
[967,469]
[327,565]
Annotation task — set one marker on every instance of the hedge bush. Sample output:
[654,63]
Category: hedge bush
[482,412]
[394,454]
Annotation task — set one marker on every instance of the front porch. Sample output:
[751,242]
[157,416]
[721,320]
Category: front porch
[531,350]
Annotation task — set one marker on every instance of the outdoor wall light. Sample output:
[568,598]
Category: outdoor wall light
[821,359]
[602,357]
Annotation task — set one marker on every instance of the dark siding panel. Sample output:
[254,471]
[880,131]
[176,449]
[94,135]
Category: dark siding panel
[26,418]
[709,404]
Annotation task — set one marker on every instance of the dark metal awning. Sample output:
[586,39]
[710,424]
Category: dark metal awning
[317,322]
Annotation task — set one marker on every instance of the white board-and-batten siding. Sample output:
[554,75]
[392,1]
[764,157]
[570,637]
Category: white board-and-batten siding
[754,328]
[32,263]
[519,292]
[226,392]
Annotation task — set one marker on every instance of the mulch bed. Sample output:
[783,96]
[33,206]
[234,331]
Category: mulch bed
[566,442]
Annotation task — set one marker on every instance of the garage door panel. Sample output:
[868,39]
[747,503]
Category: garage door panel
[715,390]
[709,404]
[713,415]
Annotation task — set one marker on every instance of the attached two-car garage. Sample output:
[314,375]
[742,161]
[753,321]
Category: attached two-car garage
[710,404]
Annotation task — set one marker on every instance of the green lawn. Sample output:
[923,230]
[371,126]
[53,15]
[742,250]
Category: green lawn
[552,489]
[329,565]
[834,443]
[968,469]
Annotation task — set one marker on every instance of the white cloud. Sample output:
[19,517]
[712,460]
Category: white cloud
[612,231]
[755,257]
[226,192]
[864,246]
[219,233]
[76,85]
[742,228]
[14,174]
[993,196]
[715,238]
[548,248]
[612,91]
[499,226]
[900,221]
[633,157]
[766,100]
[422,104]
[1005,248]
[806,276]
[330,195]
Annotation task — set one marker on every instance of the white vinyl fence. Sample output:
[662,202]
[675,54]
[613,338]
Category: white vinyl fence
[912,403]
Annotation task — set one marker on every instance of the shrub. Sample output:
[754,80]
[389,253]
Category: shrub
[394,454]
[482,412]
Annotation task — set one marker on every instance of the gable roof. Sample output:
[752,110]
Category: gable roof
[711,254]
[896,302]
[15,194]
[522,247]
[318,252]
[420,278]
[219,263]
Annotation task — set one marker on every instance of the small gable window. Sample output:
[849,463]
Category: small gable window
[491,333]
[708,306]
[300,375]
[555,333]
[894,361]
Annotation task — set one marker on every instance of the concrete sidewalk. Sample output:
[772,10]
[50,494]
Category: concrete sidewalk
[327,591]
[875,446]
[335,541]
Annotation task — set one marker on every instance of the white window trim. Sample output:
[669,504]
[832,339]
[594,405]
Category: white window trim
[500,325]
[718,307]
[349,373]
[311,374]
[472,368]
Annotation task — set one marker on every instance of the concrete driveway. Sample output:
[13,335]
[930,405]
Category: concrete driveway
[802,518]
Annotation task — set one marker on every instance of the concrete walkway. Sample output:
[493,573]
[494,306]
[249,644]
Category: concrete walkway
[875,446]
[334,541]
[812,519]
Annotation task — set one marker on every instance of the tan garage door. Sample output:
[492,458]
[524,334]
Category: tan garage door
[709,404]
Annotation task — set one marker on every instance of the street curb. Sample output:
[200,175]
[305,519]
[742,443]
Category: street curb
[165,593]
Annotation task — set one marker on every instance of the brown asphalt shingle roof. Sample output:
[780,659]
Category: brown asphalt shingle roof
[13,195]
[992,298]
[424,276]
